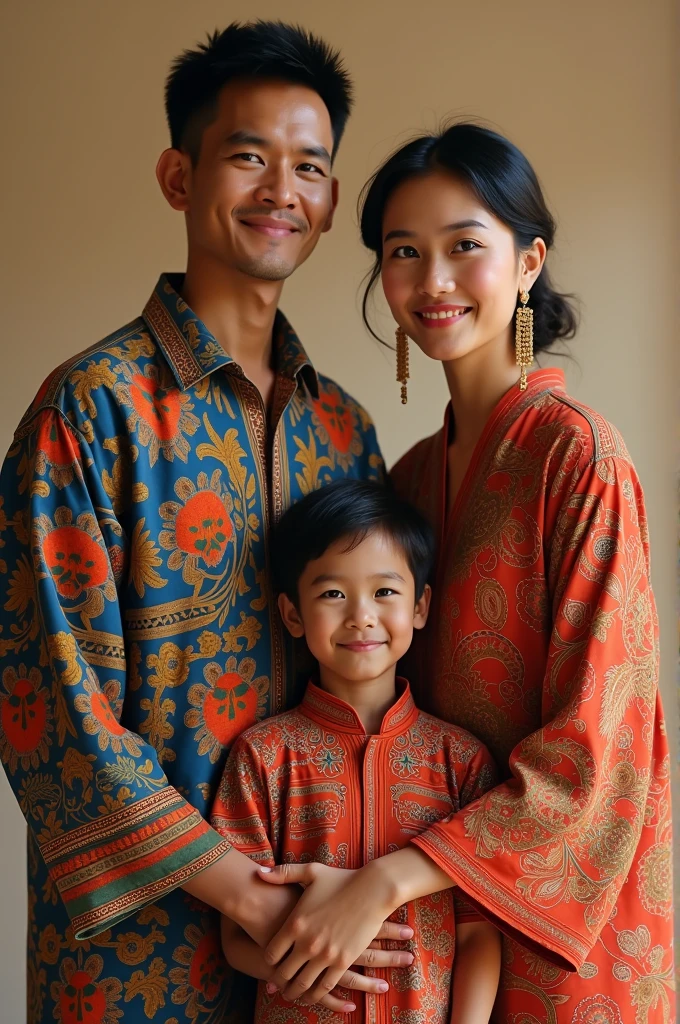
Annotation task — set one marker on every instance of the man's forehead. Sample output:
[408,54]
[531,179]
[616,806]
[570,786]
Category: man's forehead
[264,106]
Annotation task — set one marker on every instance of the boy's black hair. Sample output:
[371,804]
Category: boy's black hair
[348,509]
[256,50]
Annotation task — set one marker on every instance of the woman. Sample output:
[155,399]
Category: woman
[543,641]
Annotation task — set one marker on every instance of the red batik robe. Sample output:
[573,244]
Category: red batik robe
[543,643]
[311,785]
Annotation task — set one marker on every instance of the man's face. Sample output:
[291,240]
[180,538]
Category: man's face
[261,191]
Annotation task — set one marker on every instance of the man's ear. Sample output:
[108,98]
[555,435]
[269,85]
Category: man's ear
[173,171]
[334,200]
[290,616]
[422,607]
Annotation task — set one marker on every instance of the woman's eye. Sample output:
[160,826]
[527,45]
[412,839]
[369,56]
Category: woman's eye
[466,245]
[385,592]
[405,252]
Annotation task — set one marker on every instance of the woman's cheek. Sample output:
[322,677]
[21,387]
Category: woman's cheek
[397,293]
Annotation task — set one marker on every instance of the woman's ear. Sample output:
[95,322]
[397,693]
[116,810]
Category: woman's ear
[422,607]
[531,264]
[291,616]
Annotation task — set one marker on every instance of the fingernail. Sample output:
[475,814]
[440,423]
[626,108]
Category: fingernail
[271,989]
[406,933]
[349,1008]
[383,986]
[266,870]
[406,958]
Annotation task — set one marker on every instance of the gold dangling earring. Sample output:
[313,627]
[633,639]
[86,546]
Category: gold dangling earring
[402,362]
[524,338]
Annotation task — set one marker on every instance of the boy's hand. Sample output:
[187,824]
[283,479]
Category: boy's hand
[337,918]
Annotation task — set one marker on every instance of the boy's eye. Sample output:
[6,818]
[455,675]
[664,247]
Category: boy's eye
[385,592]
[332,593]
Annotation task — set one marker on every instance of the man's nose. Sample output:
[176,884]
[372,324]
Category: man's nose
[278,189]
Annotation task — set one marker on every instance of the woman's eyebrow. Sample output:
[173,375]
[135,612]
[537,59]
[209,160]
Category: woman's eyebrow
[401,233]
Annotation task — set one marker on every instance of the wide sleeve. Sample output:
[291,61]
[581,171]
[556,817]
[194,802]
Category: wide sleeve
[475,776]
[241,810]
[113,833]
[545,854]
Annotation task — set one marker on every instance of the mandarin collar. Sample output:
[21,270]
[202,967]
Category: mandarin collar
[193,352]
[329,711]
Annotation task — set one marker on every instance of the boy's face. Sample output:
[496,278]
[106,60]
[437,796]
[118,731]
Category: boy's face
[357,609]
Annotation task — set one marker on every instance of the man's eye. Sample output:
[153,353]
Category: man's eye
[385,592]
[250,158]
[309,169]
[465,245]
[405,252]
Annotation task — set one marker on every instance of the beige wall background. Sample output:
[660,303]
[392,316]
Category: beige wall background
[584,87]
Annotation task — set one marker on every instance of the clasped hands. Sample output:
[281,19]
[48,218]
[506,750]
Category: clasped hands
[338,921]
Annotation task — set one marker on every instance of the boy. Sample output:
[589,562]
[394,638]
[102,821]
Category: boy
[356,770]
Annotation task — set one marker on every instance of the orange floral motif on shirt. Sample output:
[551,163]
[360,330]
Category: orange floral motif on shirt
[229,701]
[100,721]
[336,425]
[161,413]
[198,528]
[202,979]
[57,450]
[76,561]
[24,717]
[80,996]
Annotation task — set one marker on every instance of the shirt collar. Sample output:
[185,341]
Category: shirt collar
[327,710]
[193,353]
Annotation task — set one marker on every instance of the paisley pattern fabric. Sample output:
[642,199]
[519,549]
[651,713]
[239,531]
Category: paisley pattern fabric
[310,785]
[543,643]
[138,639]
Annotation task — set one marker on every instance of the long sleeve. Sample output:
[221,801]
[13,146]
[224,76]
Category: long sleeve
[113,833]
[240,811]
[545,854]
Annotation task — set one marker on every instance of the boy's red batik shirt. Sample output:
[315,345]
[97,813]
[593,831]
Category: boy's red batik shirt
[311,785]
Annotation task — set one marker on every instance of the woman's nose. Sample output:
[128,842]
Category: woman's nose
[437,279]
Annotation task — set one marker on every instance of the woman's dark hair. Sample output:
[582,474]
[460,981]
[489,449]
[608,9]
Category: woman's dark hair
[348,509]
[257,50]
[503,180]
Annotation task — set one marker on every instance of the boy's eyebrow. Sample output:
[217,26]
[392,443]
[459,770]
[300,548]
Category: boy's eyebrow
[335,578]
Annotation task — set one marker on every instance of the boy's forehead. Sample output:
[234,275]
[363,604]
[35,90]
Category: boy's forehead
[360,557]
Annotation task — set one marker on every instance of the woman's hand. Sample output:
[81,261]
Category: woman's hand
[335,924]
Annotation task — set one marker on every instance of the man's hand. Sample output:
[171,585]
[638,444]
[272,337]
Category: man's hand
[338,916]
[234,886]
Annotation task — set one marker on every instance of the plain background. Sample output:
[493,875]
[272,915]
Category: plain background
[584,87]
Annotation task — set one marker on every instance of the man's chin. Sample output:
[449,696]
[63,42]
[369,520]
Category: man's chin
[267,269]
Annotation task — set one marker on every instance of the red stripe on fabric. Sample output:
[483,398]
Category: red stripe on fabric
[135,865]
[125,842]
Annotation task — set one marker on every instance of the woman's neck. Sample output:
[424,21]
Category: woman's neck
[477,382]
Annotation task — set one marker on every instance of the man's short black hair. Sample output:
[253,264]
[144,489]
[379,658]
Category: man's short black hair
[257,50]
[348,509]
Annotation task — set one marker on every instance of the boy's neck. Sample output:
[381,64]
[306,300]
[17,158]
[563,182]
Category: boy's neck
[370,698]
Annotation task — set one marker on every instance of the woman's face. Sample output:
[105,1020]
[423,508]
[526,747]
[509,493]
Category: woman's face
[450,270]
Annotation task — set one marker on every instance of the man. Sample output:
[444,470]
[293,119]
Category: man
[138,635]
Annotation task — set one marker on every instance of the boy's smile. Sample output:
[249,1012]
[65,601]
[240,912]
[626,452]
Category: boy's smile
[357,610]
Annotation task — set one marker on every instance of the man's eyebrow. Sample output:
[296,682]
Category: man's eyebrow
[319,152]
[401,233]
[244,137]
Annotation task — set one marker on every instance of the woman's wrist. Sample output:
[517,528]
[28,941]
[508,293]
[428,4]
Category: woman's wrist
[407,875]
